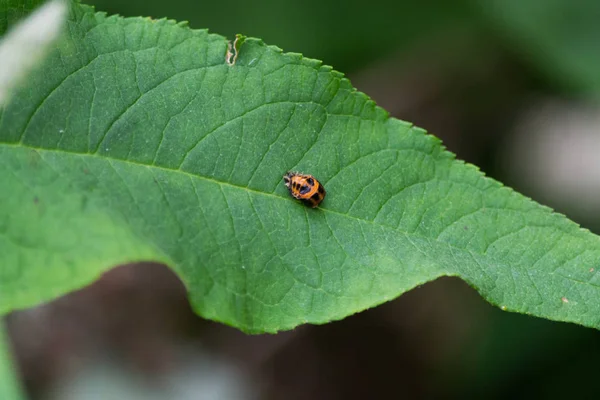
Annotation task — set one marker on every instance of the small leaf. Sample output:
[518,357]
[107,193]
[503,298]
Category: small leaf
[140,142]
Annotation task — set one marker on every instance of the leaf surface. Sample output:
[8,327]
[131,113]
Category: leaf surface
[139,142]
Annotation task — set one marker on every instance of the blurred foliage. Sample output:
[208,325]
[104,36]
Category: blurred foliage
[347,36]
[558,38]
[516,356]
[13,10]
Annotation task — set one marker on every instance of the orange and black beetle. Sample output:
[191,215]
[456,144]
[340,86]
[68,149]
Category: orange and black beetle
[305,188]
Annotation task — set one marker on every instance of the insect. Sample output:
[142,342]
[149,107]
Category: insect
[305,188]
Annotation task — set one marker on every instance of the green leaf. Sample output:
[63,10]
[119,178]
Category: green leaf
[140,142]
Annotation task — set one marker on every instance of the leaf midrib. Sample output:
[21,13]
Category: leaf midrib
[441,272]
[324,209]
[248,189]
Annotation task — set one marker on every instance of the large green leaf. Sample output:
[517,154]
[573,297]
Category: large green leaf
[139,142]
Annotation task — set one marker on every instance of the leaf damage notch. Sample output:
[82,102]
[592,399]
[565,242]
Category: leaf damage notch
[233,49]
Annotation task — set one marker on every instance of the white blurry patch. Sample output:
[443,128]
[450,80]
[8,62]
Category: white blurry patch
[27,43]
[194,375]
[556,150]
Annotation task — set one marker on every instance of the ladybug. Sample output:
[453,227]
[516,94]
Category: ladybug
[305,188]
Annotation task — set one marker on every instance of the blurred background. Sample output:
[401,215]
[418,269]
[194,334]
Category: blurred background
[509,85]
